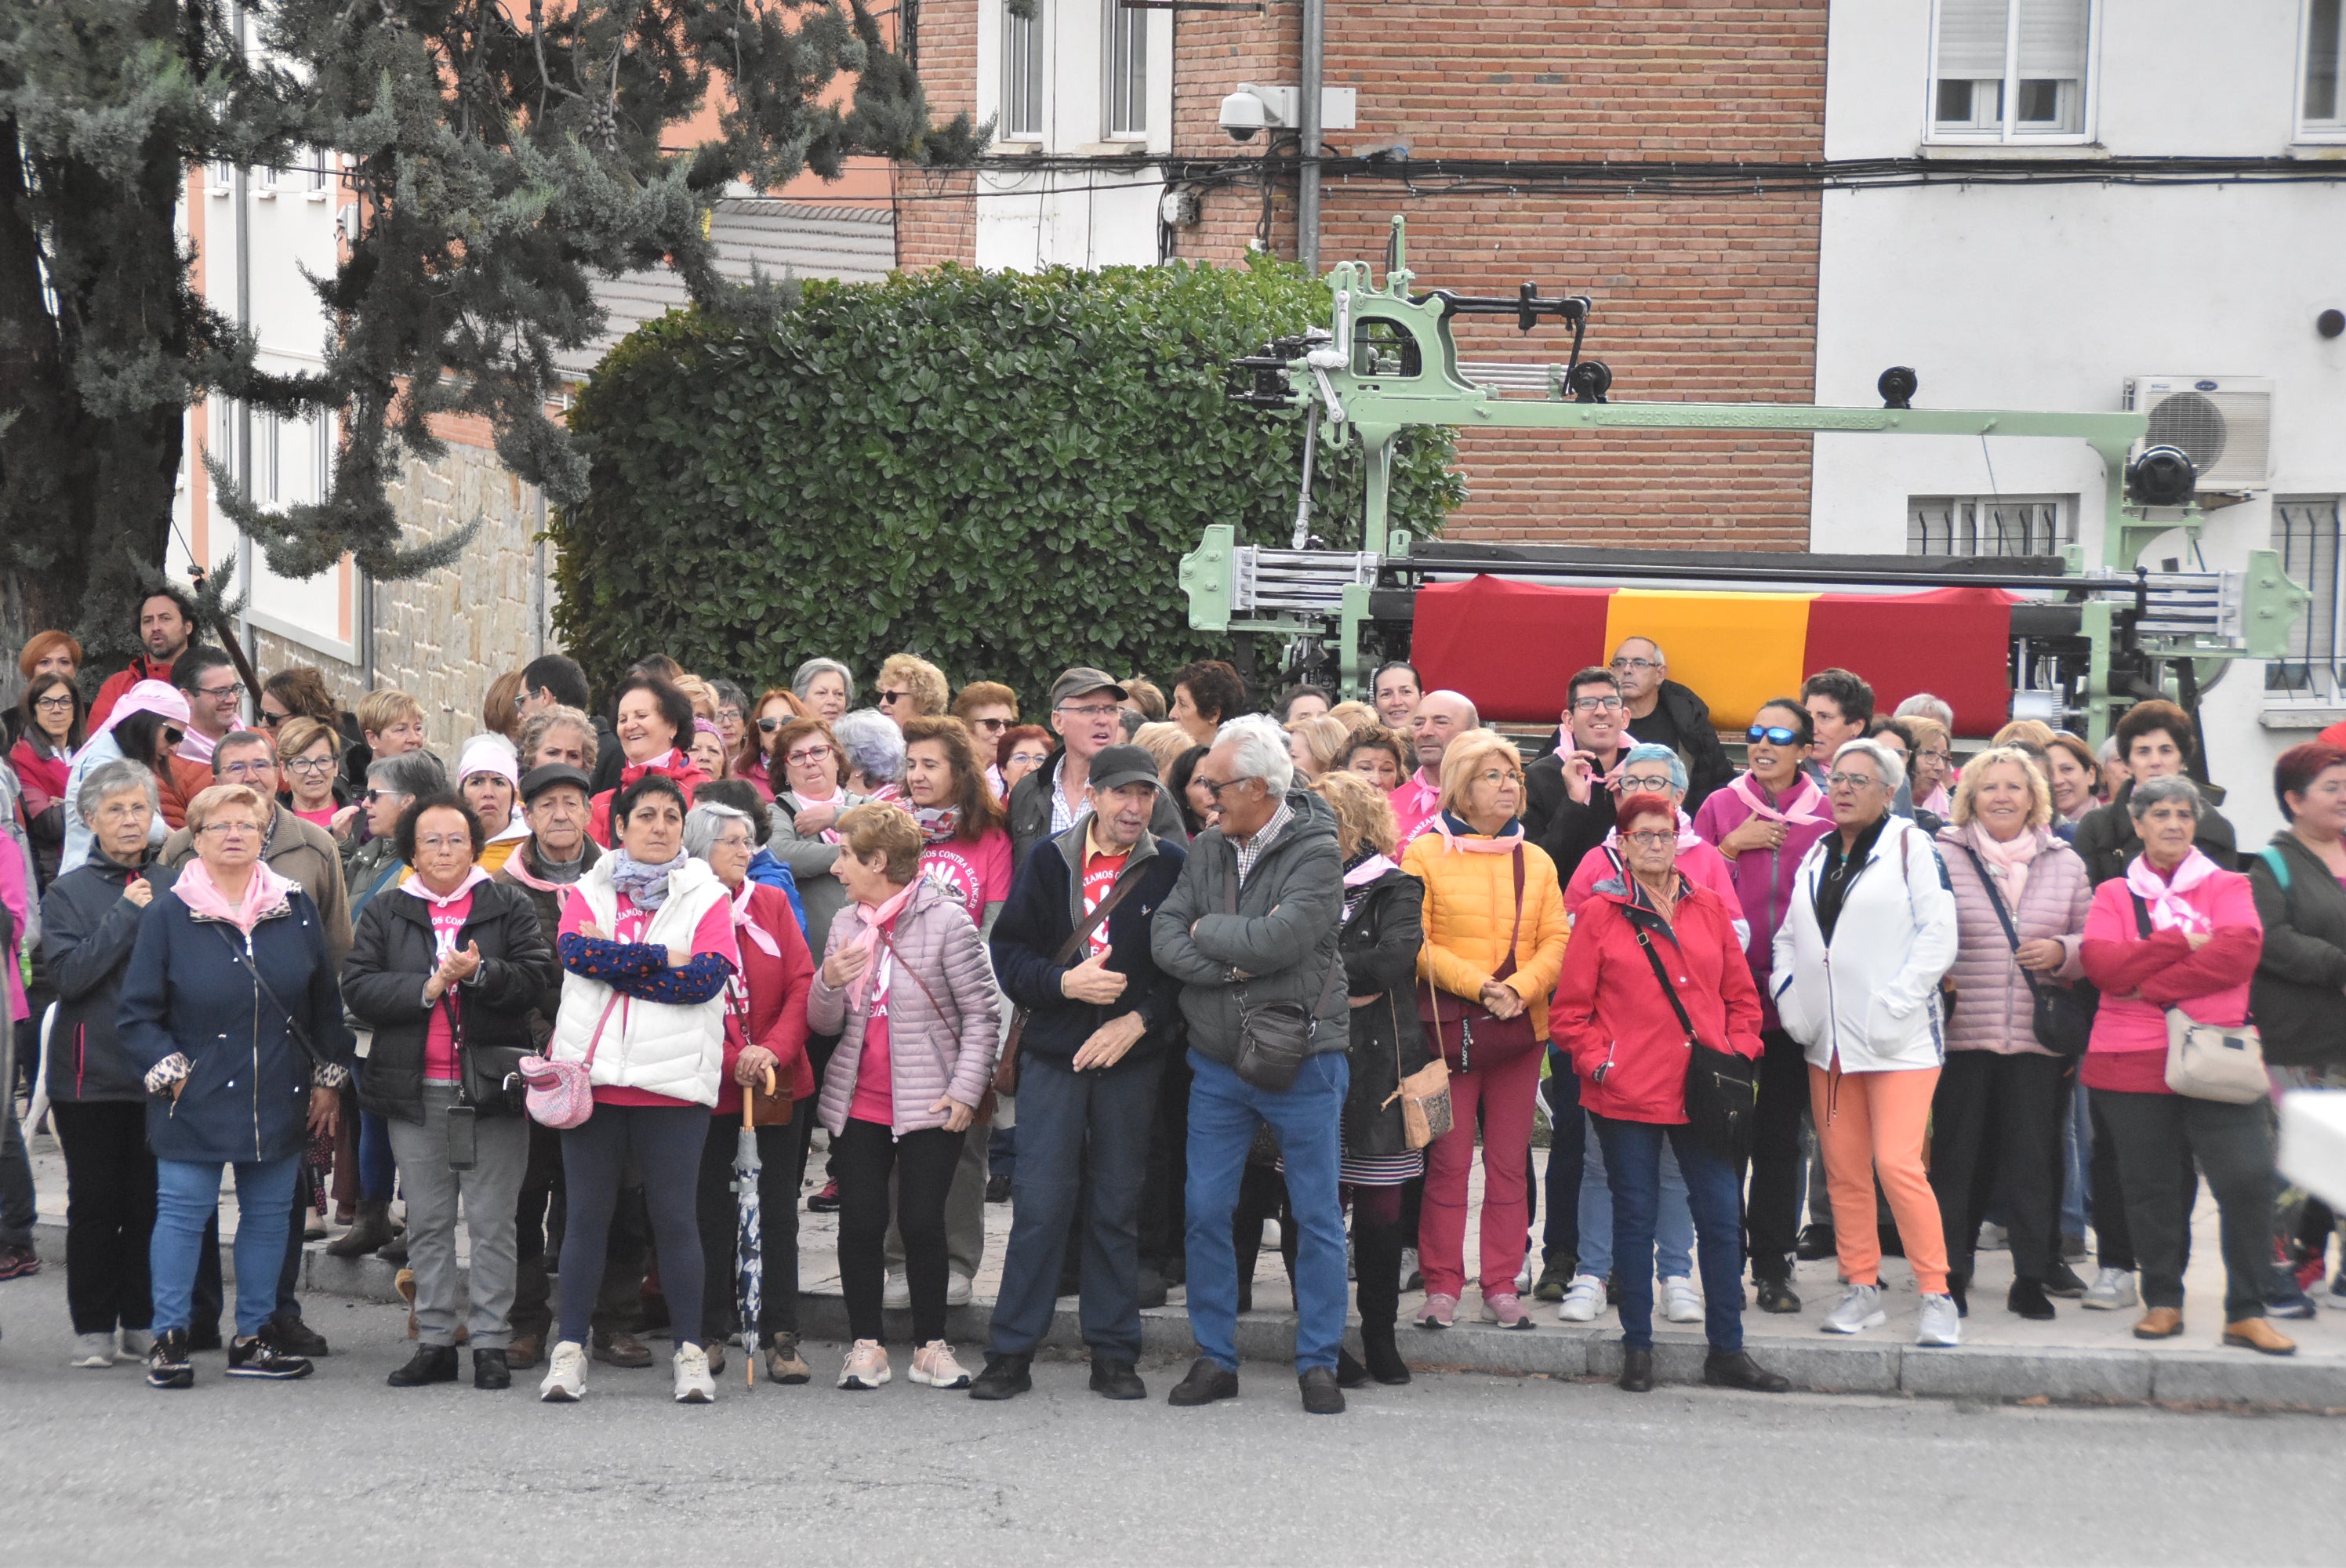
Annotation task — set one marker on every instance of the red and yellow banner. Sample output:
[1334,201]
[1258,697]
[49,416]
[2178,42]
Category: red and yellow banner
[1512,647]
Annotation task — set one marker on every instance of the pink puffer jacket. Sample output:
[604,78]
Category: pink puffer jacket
[941,1040]
[1992,1008]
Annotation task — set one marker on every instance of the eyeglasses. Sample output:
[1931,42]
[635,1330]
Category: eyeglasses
[809,754]
[1647,784]
[259,768]
[309,765]
[224,829]
[124,810]
[1213,791]
[374,795]
[994,724]
[62,701]
[447,841]
[1091,709]
[1650,839]
[1940,756]
[1773,734]
[729,716]
[1033,758]
[1499,776]
[1595,704]
[1635,665]
[268,720]
[1854,780]
[888,698]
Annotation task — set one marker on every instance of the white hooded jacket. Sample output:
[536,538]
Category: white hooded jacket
[1871,998]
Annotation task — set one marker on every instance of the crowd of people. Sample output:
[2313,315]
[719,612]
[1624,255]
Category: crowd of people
[1153,967]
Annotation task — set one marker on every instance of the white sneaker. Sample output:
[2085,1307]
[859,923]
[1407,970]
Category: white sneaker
[1584,1300]
[1860,1309]
[565,1374]
[1411,1279]
[2112,1291]
[93,1351]
[136,1343]
[1681,1302]
[694,1385]
[1524,1275]
[896,1295]
[1994,1237]
[933,1365]
[1942,1324]
[959,1289]
[866,1367]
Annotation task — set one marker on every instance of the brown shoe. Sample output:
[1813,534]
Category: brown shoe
[621,1349]
[2160,1323]
[2258,1335]
[524,1350]
[784,1364]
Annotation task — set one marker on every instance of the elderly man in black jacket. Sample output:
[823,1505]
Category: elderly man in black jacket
[1661,712]
[1250,931]
[1072,948]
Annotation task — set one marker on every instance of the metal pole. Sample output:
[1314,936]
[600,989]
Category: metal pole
[1306,189]
[242,187]
[537,585]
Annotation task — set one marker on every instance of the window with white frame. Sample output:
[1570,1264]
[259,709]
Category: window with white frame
[2306,532]
[2320,110]
[1990,524]
[220,176]
[1022,70]
[322,455]
[1125,30]
[2010,70]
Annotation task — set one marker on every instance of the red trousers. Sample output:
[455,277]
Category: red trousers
[1502,1091]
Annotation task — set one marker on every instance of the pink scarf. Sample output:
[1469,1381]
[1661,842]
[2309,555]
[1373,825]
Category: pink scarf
[415,888]
[1802,807]
[2008,863]
[2168,909]
[264,895]
[1369,870]
[742,919]
[837,798]
[878,919]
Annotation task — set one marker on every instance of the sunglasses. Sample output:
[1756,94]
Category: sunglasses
[767,726]
[1773,734]
[991,723]
[268,720]
[172,736]
[888,698]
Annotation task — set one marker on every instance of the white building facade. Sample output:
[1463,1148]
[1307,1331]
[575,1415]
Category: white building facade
[2051,295]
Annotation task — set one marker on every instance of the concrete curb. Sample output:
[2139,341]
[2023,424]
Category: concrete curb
[2227,1379]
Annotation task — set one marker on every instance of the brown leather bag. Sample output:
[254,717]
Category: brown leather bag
[1006,1070]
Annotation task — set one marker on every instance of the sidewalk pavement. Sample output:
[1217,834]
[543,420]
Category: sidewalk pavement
[2080,1357]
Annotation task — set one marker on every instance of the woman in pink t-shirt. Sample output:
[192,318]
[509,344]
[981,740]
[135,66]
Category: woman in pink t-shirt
[965,846]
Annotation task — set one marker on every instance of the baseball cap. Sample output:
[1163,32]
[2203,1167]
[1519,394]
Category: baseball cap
[1117,765]
[538,780]
[1083,678]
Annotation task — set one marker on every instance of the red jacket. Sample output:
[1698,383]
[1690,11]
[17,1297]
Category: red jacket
[676,765]
[1610,1013]
[778,984]
[120,681]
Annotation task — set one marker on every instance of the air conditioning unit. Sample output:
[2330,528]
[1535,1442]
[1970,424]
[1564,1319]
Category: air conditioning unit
[2224,422]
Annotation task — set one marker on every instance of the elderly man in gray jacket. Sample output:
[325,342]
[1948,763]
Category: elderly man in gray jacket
[1253,923]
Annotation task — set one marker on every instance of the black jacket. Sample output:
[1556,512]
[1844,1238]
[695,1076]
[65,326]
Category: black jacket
[383,985]
[1380,944]
[2295,997]
[1030,812]
[2107,842]
[1045,906]
[1557,823]
[88,930]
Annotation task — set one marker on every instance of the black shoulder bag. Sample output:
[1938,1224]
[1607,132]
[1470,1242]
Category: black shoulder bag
[1721,1088]
[1275,1038]
[2062,1016]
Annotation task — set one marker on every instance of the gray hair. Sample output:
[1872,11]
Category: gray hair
[112,778]
[416,773]
[874,745]
[236,739]
[1660,658]
[1922,705]
[705,822]
[728,692]
[1258,747]
[815,667]
[1651,753]
[2149,792]
[1893,770]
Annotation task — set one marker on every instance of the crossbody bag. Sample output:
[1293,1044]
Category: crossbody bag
[1005,1071]
[2206,1061]
[1478,1026]
[2061,1016]
[1721,1088]
[1275,1037]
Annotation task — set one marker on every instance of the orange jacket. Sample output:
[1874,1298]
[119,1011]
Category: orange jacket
[1470,910]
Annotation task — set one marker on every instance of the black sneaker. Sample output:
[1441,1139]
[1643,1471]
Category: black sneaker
[1777,1296]
[294,1337]
[1005,1377]
[2062,1282]
[1114,1378]
[258,1358]
[168,1366]
[826,1201]
[997,1187]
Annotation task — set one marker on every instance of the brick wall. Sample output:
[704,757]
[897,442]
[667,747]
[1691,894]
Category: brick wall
[936,217]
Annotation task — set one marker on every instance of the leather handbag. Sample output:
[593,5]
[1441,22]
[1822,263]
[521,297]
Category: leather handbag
[1424,1095]
[1480,1028]
[2061,1016]
[1722,1088]
[1275,1037]
[2209,1060]
[1006,1070]
[765,1105]
[561,1094]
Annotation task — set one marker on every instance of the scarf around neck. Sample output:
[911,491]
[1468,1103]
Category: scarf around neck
[2169,910]
[414,887]
[880,919]
[1804,805]
[748,922]
[1457,835]
[645,886]
[263,896]
[938,824]
[1367,870]
[2007,864]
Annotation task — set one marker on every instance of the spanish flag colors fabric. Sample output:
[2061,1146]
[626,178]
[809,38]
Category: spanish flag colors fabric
[1512,647]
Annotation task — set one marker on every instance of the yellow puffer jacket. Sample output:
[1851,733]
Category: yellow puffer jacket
[1469,911]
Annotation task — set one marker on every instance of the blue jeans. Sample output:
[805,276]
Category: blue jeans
[1632,1159]
[2076,1162]
[1072,1124]
[186,1194]
[1672,1231]
[1567,1150]
[1224,1110]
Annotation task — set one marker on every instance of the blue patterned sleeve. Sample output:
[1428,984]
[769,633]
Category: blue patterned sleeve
[699,981]
[611,962]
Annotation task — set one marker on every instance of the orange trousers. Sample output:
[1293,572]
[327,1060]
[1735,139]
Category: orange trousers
[1876,1122]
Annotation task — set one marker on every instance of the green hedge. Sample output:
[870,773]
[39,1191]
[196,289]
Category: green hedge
[996,471]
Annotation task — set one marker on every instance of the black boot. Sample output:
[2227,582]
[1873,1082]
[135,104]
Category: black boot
[2027,1298]
[1637,1371]
[1113,1378]
[430,1364]
[491,1372]
[1350,1373]
[1383,1358]
[369,1231]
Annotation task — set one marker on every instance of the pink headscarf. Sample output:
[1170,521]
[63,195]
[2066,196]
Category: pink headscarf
[157,697]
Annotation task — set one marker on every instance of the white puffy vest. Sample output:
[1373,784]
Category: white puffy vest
[656,1046]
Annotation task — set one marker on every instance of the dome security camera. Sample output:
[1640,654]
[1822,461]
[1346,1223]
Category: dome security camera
[1243,114]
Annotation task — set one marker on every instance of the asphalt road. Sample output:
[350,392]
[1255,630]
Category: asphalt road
[340,1469]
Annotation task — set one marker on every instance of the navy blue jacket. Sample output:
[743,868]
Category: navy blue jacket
[189,988]
[88,930]
[1045,906]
